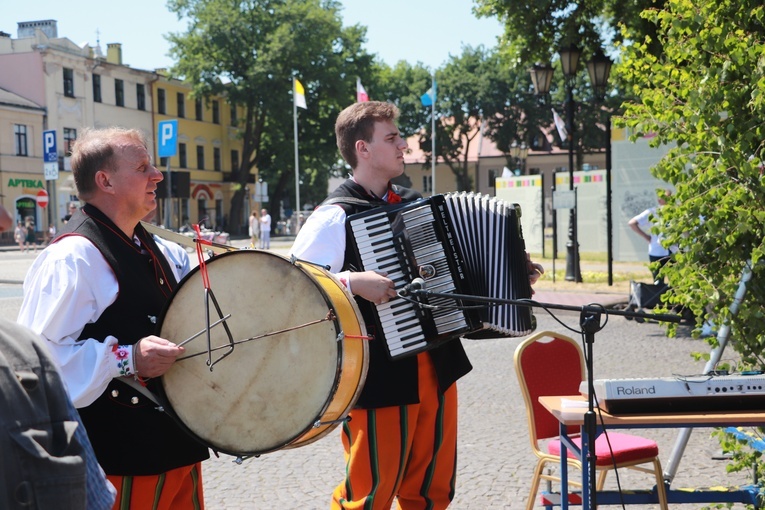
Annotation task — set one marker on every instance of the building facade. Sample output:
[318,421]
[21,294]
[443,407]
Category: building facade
[209,150]
[76,88]
[21,161]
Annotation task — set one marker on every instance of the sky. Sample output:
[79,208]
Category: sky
[426,31]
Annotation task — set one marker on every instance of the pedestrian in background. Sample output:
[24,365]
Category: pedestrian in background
[265,230]
[20,235]
[643,224]
[253,228]
[31,237]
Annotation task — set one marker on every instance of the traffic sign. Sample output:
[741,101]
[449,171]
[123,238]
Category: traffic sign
[168,138]
[564,199]
[42,198]
[50,155]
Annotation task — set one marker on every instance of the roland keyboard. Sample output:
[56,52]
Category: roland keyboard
[680,394]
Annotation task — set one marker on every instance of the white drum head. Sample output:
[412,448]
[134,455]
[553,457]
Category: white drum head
[269,390]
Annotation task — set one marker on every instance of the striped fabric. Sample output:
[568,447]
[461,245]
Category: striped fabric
[407,453]
[178,489]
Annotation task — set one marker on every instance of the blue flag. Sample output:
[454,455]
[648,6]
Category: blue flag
[429,97]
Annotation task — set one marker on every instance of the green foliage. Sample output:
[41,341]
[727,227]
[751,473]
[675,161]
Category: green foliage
[704,97]
[249,50]
[536,30]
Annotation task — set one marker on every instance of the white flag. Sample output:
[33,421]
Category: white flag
[560,125]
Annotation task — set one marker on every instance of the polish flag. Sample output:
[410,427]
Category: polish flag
[361,94]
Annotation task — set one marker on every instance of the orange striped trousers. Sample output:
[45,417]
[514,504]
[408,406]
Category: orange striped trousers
[405,452]
[177,489]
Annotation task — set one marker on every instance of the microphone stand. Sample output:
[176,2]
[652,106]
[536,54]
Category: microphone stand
[589,321]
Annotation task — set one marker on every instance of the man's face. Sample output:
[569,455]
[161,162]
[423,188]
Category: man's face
[135,180]
[386,150]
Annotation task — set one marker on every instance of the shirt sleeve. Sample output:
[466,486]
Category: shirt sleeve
[321,240]
[176,256]
[69,285]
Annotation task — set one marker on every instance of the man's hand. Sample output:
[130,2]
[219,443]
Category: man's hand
[373,286]
[153,356]
[535,270]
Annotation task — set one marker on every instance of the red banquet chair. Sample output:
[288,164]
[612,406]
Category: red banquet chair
[550,364]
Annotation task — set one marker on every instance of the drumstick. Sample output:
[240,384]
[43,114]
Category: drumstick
[189,339]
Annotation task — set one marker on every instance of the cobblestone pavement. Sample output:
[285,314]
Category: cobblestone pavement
[495,460]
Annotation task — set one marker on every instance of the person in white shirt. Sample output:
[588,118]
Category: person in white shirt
[95,295]
[265,230]
[643,224]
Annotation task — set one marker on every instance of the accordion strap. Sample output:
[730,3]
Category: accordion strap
[360,202]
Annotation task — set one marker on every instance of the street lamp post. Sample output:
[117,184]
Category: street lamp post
[541,77]
[569,60]
[599,68]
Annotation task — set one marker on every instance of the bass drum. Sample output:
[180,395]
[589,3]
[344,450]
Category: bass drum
[298,361]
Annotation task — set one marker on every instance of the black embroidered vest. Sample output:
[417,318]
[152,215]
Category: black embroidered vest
[129,435]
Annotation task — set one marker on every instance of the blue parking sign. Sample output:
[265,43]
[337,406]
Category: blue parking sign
[168,138]
[50,155]
[49,146]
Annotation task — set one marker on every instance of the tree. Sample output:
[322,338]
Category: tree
[706,97]
[536,30]
[249,51]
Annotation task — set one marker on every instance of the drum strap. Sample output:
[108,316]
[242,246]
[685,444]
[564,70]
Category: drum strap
[140,388]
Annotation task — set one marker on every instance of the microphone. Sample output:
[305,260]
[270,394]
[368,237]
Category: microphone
[410,288]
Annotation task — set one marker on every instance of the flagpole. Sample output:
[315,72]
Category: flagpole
[297,167]
[433,136]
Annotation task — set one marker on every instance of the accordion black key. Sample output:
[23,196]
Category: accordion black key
[458,243]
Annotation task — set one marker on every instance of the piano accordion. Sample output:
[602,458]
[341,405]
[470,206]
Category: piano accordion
[463,243]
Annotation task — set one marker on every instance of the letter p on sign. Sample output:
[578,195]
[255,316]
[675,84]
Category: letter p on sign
[168,138]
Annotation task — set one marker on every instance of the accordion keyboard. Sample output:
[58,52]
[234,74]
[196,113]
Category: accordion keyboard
[404,323]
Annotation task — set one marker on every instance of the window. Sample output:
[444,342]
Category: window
[97,88]
[427,184]
[216,159]
[20,139]
[492,176]
[181,104]
[198,108]
[161,102]
[70,135]
[216,112]
[233,115]
[119,92]
[163,162]
[140,96]
[201,157]
[68,82]
[182,155]
[234,161]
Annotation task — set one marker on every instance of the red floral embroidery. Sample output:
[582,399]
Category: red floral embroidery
[121,353]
